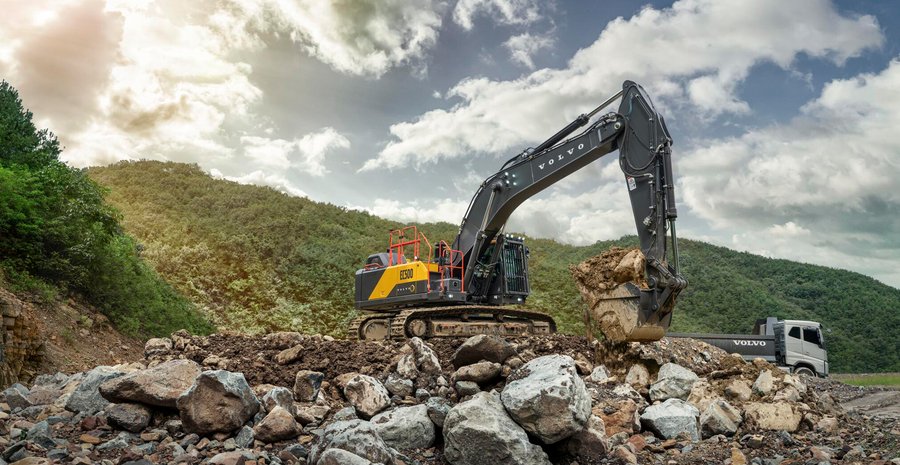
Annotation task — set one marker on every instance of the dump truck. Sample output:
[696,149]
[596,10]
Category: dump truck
[797,346]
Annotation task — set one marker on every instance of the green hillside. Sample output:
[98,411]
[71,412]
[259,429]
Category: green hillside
[259,260]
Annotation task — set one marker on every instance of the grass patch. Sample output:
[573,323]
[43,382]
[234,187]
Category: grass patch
[870,379]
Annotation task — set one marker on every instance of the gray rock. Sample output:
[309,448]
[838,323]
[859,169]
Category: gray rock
[405,427]
[341,457]
[54,381]
[719,418]
[548,398]
[600,374]
[467,388]
[218,401]
[244,437]
[130,417]
[237,457]
[367,395]
[671,418]
[480,372]
[406,366]
[307,384]
[297,450]
[86,398]
[672,382]
[278,397]
[157,346]
[356,436]
[637,376]
[17,396]
[438,408]
[426,360]
[311,413]
[399,386]
[738,389]
[344,414]
[589,443]
[480,432]
[483,347]
[764,383]
[159,386]
[40,434]
[119,442]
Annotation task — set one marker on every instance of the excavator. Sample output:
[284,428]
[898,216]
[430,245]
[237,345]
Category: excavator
[478,283]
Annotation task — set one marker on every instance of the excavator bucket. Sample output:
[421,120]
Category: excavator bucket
[620,304]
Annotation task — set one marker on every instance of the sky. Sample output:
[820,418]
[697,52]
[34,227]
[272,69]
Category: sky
[784,115]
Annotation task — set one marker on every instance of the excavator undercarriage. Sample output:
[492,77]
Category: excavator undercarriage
[468,287]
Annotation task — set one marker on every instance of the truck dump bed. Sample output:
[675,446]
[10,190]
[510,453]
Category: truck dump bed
[748,346]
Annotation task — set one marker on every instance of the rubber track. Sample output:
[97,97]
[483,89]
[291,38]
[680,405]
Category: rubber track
[399,321]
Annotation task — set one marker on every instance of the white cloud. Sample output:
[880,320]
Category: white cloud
[694,53]
[305,154]
[261,178]
[523,47]
[506,12]
[448,210]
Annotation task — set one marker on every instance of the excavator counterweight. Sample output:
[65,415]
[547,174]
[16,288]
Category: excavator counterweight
[475,284]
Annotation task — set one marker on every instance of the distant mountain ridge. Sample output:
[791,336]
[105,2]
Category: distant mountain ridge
[256,259]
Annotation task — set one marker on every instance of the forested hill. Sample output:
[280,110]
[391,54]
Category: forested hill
[257,260]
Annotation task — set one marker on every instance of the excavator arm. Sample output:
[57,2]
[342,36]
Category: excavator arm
[640,135]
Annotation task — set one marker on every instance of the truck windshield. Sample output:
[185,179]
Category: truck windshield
[813,336]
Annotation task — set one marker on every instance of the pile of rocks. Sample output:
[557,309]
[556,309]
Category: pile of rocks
[489,401]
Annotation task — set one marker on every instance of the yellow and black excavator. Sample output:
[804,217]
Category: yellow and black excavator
[476,284]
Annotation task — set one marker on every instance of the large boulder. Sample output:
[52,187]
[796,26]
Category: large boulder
[278,425]
[399,386]
[764,383]
[590,443]
[548,398]
[671,418]
[426,360]
[16,396]
[672,382]
[355,436]
[483,347]
[776,416]
[480,372]
[367,395]
[620,415]
[719,418]
[637,376]
[480,432]
[405,427]
[218,401]
[86,397]
[159,386]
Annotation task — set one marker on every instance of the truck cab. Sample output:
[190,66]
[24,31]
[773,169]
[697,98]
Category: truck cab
[799,344]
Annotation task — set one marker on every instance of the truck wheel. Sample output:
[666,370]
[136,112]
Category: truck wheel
[804,371]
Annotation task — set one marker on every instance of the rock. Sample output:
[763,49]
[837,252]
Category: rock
[311,414]
[625,454]
[583,366]
[467,388]
[157,346]
[702,395]
[738,457]
[278,397]
[218,401]
[483,347]
[619,415]
[278,425]
[244,438]
[480,432]
[41,435]
[17,396]
[307,384]
[238,457]
[426,360]
[671,418]
[32,461]
[130,417]
[796,382]
[600,374]
[719,417]
[283,339]
[399,386]
[827,404]
[356,436]
[288,356]
[764,383]
[788,393]
[480,372]
[827,424]
[672,382]
[739,390]
[438,407]
[86,397]
[341,457]
[638,376]
[367,395]
[776,416]
[820,453]
[344,414]
[121,441]
[589,443]
[405,427]
[159,386]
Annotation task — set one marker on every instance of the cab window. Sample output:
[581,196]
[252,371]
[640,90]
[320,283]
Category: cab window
[811,335]
[794,332]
